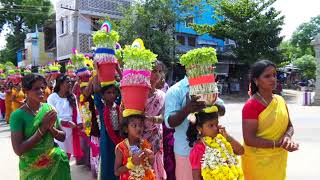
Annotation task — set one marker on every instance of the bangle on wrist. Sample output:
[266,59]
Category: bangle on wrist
[274,144]
[40,132]
[130,164]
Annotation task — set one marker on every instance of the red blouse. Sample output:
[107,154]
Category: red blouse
[252,109]
[196,155]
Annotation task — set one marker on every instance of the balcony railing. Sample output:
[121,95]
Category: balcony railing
[111,7]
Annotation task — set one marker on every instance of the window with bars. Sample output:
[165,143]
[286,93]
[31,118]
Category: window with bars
[192,41]
[62,26]
[181,39]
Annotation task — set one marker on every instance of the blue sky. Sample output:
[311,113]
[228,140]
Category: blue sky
[295,11]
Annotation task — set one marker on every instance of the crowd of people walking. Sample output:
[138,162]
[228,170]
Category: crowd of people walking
[54,118]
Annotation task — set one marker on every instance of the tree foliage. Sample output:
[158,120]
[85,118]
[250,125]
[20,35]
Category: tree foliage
[21,17]
[253,24]
[304,34]
[289,52]
[154,22]
[307,65]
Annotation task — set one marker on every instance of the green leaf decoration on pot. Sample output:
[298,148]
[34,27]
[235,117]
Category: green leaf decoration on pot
[70,66]
[11,72]
[17,71]
[137,57]
[2,67]
[78,60]
[199,61]
[42,70]
[54,67]
[27,71]
[105,37]
[3,76]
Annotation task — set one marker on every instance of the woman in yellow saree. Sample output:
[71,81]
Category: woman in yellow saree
[8,101]
[267,130]
[17,97]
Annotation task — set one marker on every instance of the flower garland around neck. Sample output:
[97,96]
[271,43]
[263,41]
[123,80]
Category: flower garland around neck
[144,170]
[219,161]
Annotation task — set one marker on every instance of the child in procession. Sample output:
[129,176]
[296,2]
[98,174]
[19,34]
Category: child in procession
[134,157]
[214,152]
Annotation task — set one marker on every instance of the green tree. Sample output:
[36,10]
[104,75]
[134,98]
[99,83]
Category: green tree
[154,22]
[21,17]
[304,34]
[307,65]
[253,24]
[289,52]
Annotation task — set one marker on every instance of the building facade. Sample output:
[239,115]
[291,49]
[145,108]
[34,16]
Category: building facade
[36,51]
[188,38]
[76,20]
[227,69]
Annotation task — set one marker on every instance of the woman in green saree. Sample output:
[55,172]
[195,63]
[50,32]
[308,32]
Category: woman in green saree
[33,129]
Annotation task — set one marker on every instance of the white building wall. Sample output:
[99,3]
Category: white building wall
[78,23]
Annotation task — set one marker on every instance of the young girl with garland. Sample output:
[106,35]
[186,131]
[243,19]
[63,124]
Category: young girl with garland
[214,152]
[134,158]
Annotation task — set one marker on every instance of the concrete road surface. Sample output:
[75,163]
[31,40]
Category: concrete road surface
[303,164]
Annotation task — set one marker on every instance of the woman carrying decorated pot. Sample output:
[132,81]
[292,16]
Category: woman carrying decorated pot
[106,65]
[153,131]
[18,97]
[33,129]
[267,129]
[67,107]
[192,94]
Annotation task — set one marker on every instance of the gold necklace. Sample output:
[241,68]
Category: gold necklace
[27,105]
[263,99]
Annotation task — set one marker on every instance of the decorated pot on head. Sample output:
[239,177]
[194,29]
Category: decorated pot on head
[82,70]
[27,71]
[42,71]
[70,69]
[10,72]
[3,75]
[105,41]
[53,69]
[135,84]
[200,72]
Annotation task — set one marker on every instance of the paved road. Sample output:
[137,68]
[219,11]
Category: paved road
[303,164]
[9,161]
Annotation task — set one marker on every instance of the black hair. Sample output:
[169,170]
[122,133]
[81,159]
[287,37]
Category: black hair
[30,79]
[201,118]
[162,65]
[70,96]
[125,123]
[105,88]
[255,72]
